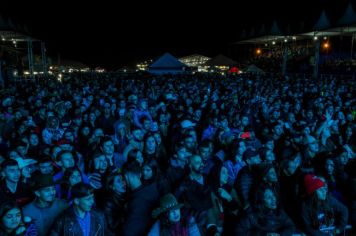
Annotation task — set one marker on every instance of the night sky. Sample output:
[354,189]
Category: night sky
[102,34]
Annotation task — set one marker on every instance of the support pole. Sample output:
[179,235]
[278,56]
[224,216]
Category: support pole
[44,59]
[352,46]
[285,59]
[316,58]
[30,56]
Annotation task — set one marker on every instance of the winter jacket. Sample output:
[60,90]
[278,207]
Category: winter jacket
[340,217]
[258,224]
[114,208]
[139,208]
[67,224]
[243,185]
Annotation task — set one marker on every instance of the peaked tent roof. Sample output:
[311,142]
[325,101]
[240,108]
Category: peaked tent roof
[273,33]
[167,61]
[322,23]
[275,30]
[349,16]
[254,69]
[221,60]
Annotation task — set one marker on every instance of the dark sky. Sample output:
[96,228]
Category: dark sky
[112,35]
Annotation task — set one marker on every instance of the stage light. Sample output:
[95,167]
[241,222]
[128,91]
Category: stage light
[326,45]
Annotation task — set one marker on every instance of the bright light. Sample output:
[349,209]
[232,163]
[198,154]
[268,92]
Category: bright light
[258,51]
[315,38]
[26,72]
[326,45]
[3,39]
[59,78]
[35,72]
[325,38]
[294,38]
[266,44]
[273,42]
[51,67]
[285,40]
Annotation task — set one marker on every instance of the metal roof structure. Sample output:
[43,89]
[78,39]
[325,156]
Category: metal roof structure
[346,25]
[10,31]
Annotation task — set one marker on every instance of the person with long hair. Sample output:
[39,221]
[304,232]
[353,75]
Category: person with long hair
[150,147]
[151,174]
[172,221]
[71,177]
[115,202]
[135,155]
[267,218]
[13,222]
[234,162]
[223,197]
[321,213]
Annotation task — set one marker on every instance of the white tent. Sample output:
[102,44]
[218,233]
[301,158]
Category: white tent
[167,64]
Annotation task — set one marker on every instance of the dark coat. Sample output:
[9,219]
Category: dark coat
[290,191]
[114,209]
[243,185]
[256,224]
[340,216]
[22,196]
[67,224]
[139,209]
[195,196]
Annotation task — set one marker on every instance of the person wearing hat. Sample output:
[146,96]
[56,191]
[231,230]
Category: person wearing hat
[172,220]
[186,124]
[80,218]
[26,167]
[321,213]
[46,207]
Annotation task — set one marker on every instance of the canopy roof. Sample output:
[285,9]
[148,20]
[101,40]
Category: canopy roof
[10,31]
[167,61]
[346,25]
[220,60]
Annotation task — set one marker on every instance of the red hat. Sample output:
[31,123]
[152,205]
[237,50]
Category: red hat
[63,141]
[312,183]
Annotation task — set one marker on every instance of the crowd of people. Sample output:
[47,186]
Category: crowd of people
[204,154]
